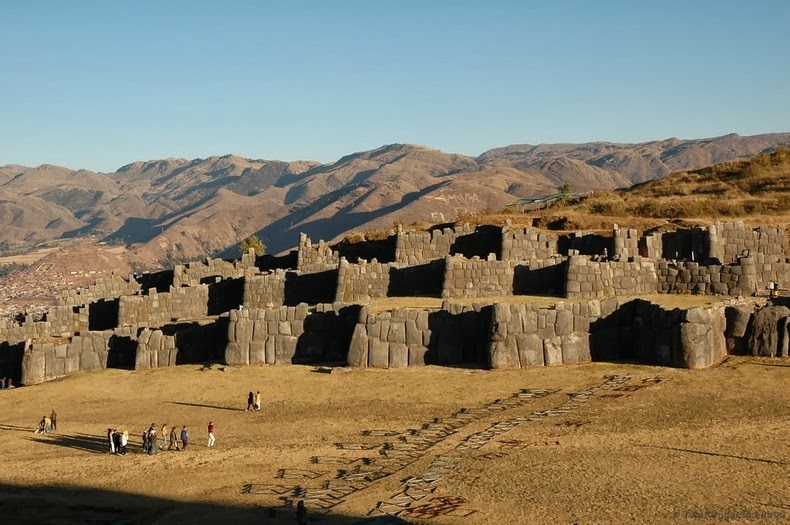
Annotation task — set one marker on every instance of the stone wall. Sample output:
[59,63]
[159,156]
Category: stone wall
[362,281]
[401,337]
[748,276]
[290,334]
[625,243]
[477,278]
[265,291]
[195,273]
[51,358]
[198,342]
[415,247]
[526,335]
[59,321]
[157,309]
[527,243]
[588,279]
[103,288]
[540,276]
[312,258]
[728,240]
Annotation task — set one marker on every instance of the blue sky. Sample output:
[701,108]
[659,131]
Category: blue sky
[98,84]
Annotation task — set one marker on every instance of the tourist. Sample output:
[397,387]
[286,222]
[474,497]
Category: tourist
[164,436]
[250,401]
[145,441]
[211,439]
[9,384]
[301,513]
[152,446]
[258,400]
[54,418]
[184,437]
[173,439]
[116,440]
[124,441]
[110,440]
[47,424]
[42,425]
[2,383]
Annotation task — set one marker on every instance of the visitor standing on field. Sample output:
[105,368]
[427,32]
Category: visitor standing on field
[184,437]
[250,401]
[173,439]
[54,418]
[258,400]
[211,439]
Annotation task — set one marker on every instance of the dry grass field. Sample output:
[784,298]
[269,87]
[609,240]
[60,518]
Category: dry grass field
[636,451]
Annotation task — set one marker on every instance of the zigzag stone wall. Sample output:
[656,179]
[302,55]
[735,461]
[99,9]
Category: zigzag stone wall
[587,278]
[264,290]
[477,278]
[195,273]
[103,288]
[156,309]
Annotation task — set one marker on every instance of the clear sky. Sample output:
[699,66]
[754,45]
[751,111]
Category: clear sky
[98,84]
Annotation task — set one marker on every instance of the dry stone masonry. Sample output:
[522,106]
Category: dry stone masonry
[256,311]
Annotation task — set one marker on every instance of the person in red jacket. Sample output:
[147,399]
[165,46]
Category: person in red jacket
[211,439]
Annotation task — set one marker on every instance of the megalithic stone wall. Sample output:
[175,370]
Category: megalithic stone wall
[477,278]
[523,335]
[730,239]
[267,336]
[314,258]
[588,279]
[527,243]
[51,358]
[194,273]
[363,281]
[625,243]
[265,290]
[156,309]
[415,247]
[154,350]
[61,321]
[104,288]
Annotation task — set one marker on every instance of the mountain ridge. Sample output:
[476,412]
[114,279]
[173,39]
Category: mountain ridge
[174,208]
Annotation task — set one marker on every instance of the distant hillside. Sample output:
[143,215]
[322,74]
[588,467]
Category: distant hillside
[178,208]
[756,186]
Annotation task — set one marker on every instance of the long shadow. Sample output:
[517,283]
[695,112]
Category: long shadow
[718,454]
[86,442]
[14,428]
[41,504]
[205,406]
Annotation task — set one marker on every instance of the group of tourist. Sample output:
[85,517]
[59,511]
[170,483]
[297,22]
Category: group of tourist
[6,383]
[118,440]
[47,424]
[167,438]
[253,401]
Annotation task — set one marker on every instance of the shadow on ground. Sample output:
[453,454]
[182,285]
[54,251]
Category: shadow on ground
[60,504]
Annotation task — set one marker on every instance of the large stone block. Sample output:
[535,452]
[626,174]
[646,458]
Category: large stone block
[504,354]
[552,351]
[530,349]
[397,332]
[378,353]
[33,366]
[358,349]
[696,345]
[269,349]
[257,352]
[764,340]
[284,349]
[417,355]
[237,354]
[399,355]
[576,348]
[89,361]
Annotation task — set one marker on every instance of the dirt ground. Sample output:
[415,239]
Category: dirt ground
[650,445]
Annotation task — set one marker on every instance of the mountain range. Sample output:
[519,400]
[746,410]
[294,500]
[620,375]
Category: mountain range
[179,208]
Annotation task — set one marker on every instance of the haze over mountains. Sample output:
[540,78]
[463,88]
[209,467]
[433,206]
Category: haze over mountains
[190,208]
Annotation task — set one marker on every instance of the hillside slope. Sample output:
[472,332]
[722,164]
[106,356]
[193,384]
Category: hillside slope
[178,208]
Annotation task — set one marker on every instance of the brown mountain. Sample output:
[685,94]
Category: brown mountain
[178,208]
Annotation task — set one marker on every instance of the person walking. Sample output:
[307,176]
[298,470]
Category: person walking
[54,418]
[258,400]
[152,445]
[211,439]
[110,433]
[250,401]
[124,441]
[47,424]
[164,436]
[184,437]
[173,439]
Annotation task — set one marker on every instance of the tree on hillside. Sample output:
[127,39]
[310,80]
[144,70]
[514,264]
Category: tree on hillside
[253,242]
[565,191]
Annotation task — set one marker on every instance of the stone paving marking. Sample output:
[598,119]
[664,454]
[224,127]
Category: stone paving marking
[410,502]
[399,451]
